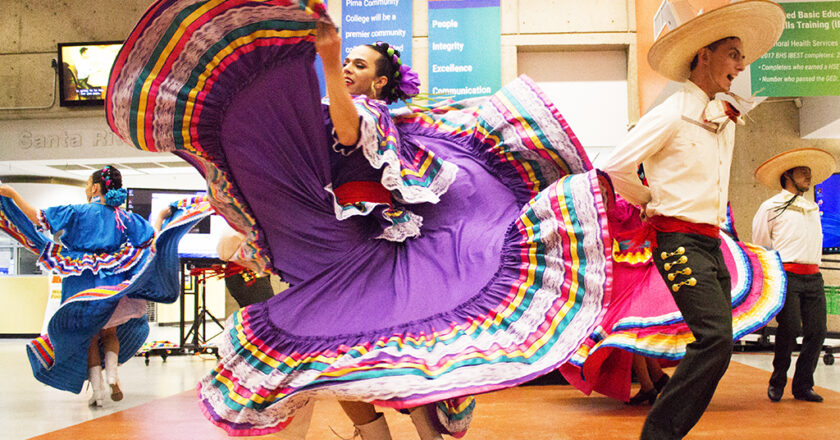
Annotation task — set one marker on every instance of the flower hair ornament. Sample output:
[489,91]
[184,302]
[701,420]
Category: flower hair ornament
[406,81]
[113,196]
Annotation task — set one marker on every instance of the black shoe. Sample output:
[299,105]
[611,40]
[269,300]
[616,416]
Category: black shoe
[808,395]
[775,393]
[643,396]
[661,382]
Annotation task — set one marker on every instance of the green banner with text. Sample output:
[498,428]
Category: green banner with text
[806,59]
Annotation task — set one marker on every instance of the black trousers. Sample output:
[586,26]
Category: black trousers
[804,309]
[693,268]
[246,294]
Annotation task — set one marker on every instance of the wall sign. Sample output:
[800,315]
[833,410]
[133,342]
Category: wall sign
[806,59]
[464,48]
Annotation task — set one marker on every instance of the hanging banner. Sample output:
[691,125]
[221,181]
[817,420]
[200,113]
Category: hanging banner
[806,59]
[465,47]
[369,21]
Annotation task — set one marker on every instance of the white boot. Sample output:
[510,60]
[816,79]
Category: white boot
[95,378]
[111,373]
[375,430]
[422,421]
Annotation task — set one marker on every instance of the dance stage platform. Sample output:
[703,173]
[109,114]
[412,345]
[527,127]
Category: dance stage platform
[740,410]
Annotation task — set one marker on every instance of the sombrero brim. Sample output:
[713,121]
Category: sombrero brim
[821,163]
[758,23]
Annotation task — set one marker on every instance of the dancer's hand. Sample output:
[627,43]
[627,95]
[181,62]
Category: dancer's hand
[328,44]
[163,214]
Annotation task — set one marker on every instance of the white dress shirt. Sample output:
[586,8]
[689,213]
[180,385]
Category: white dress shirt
[796,232]
[686,160]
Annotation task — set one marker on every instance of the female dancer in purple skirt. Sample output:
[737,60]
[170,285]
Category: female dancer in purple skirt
[433,254]
[374,71]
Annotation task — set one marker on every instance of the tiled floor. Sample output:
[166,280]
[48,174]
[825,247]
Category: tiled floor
[28,408]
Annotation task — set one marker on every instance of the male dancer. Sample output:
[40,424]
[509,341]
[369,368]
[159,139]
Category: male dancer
[790,224]
[686,146]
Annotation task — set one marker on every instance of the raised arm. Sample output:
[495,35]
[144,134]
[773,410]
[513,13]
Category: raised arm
[343,113]
[27,209]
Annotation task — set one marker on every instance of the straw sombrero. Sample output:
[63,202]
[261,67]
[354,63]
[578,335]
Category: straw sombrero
[758,23]
[821,163]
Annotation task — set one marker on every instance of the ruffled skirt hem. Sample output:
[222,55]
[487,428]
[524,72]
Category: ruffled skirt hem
[543,302]
[59,358]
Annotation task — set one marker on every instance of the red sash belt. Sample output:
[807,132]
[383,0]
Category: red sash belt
[661,223]
[358,191]
[802,269]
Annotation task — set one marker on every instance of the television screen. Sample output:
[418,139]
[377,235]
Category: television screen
[83,71]
[827,195]
[201,241]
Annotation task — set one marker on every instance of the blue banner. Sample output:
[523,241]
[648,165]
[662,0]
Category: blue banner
[369,21]
[465,47]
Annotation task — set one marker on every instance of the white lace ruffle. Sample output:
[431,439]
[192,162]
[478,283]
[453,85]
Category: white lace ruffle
[403,231]
[397,232]
[387,160]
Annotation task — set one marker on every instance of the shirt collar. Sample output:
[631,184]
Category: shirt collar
[695,90]
[786,195]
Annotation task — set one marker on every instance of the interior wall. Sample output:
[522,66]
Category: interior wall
[29,33]
[44,195]
[30,30]
[589,88]
[22,303]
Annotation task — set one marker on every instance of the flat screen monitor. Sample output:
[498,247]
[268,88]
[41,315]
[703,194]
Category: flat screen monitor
[201,241]
[83,70]
[827,195]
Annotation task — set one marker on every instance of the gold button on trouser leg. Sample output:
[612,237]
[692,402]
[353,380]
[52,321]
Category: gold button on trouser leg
[689,282]
[681,260]
[673,275]
[680,250]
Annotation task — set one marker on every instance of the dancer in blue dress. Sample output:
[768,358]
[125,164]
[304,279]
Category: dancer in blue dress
[102,249]
[98,226]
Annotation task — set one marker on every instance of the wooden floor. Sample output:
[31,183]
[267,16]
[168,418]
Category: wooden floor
[739,410]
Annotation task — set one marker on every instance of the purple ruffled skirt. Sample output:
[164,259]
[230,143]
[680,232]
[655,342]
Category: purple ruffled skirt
[509,273]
